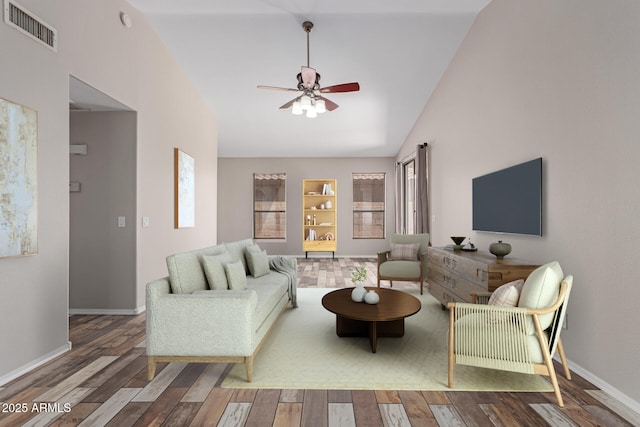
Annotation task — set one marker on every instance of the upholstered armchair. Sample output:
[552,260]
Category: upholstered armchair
[519,338]
[406,260]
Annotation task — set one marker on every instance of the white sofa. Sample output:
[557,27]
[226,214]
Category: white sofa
[205,312]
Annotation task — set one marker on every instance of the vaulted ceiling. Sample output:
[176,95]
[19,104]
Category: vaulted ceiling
[397,51]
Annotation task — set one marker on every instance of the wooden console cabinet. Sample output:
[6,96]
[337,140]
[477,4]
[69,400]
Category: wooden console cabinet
[453,275]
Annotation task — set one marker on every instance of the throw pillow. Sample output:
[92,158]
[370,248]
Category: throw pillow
[213,266]
[236,277]
[507,294]
[404,251]
[257,261]
[541,290]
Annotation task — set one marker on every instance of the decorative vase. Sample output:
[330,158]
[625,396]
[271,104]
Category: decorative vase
[328,204]
[358,293]
[500,249]
[371,297]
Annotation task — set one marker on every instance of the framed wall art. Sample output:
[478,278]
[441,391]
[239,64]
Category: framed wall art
[185,188]
[18,180]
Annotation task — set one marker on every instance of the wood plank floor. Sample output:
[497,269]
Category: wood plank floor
[102,381]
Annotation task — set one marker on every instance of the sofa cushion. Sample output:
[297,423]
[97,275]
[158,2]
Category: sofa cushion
[257,261]
[541,290]
[400,269]
[185,270]
[422,238]
[507,294]
[270,289]
[236,249]
[236,277]
[213,266]
[404,251]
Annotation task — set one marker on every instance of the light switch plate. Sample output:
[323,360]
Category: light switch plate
[121,221]
[145,221]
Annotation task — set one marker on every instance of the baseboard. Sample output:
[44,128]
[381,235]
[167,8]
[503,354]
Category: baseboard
[603,385]
[106,311]
[24,369]
[325,255]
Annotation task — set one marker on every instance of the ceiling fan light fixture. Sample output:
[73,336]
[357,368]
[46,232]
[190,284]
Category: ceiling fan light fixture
[311,113]
[305,102]
[320,106]
[296,108]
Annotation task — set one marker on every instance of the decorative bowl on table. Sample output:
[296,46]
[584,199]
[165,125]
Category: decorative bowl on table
[458,242]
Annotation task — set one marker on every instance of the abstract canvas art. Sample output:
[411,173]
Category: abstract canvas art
[185,189]
[18,180]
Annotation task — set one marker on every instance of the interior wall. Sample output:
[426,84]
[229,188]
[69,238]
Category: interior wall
[556,80]
[102,255]
[33,289]
[132,66]
[235,200]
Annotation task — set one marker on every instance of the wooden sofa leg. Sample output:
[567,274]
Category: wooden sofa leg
[248,365]
[151,368]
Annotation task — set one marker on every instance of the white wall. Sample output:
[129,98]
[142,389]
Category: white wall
[132,66]
[557,80]
[235,200]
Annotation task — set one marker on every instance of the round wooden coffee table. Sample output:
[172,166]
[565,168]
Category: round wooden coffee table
[357,319]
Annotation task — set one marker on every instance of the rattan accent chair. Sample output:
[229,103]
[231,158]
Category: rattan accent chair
[519,339]
[396,264]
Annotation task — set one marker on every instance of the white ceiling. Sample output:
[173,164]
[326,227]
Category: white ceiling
[396,49]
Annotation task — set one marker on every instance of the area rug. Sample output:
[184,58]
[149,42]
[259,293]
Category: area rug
[304,352]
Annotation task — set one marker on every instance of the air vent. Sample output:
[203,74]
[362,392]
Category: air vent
[29,24]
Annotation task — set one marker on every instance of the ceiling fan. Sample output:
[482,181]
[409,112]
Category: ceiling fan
[310,101]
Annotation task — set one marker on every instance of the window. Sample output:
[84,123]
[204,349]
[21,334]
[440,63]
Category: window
[409,196]
[269,206]
[368,205]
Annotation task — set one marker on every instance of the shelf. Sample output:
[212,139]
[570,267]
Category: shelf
[326,219]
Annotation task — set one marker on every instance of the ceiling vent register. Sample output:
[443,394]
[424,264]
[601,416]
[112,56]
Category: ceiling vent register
[29,24]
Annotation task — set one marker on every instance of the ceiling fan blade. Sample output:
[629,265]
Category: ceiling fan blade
[345,87]
[308,77]
[329,104]
[282,89]
[288,104]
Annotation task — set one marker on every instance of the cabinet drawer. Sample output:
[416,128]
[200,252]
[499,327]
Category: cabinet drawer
[319,245]
[453,282]
[441,294]
[469,269]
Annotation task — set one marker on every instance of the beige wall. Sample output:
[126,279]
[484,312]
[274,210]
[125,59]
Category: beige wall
[102,256]
[132,66]
[235,199]
[33,290]
[557,80]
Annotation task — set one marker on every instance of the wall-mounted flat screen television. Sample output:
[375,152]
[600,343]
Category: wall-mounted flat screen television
[509,200]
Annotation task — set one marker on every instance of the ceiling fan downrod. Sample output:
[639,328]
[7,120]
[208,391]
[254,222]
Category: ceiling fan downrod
[307,26]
